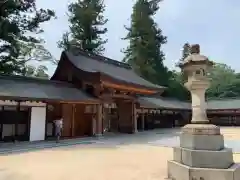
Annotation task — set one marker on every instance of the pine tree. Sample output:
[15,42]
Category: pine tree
[19,21]
[176,87]
[86,26]
[145,42]
[185,51]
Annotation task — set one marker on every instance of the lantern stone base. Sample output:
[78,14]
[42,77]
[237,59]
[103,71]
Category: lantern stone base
[202,156]
[178,171]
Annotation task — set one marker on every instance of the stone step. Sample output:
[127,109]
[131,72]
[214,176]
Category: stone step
[202,142]
[178,171]
[204,158]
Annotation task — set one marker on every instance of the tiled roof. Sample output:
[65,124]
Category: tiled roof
[159,102]
[25,88]
[119,71]
[222,104]
[164,103]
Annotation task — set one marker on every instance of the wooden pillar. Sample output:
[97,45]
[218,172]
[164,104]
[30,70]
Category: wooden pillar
[67,120]
[143,121]
[73,120]
[134,110]
[16,123]
[99,118]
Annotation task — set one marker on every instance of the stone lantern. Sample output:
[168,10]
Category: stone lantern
[196,68]
[201,155]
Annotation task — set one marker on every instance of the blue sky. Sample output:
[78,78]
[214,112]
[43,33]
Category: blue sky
[214,24]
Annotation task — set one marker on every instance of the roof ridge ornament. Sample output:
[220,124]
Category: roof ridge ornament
[195,49]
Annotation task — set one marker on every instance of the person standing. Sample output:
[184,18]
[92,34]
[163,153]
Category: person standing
[58,128]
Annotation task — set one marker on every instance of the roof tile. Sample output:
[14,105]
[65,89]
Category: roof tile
[115,69]
[38,89]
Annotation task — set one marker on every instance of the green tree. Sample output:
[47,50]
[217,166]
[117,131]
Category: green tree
[185,51]
[145,38]
[176,87]
[224,82]
[35,52]
[19,23]
[86,26]
[40,71]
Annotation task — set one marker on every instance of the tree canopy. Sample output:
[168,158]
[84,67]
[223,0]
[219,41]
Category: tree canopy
[176,87]
[19,24]
[39,71]
[185,51]
[144,51]
[225,82]
[86,26]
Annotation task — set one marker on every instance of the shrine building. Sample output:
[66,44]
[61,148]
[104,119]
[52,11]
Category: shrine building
[94,95]
[83,86]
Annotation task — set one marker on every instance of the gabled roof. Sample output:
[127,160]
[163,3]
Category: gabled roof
[119,71]
[25,88]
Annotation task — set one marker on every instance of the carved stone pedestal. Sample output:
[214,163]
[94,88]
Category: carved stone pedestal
[202,156]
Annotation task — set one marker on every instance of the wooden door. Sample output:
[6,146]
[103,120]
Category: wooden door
[67,119]
[82,122]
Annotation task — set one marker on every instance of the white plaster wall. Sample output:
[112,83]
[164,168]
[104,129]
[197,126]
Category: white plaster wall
[37,126]
[25,103]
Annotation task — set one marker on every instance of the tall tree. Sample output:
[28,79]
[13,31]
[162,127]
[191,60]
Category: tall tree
[176,87]
[19,21]
[185,51]
[145,42]
[86,26]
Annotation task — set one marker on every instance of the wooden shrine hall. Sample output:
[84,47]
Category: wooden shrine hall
[114,83]
[94,95]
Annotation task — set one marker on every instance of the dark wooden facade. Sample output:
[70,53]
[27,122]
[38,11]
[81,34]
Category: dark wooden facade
[224,117]
[109,90]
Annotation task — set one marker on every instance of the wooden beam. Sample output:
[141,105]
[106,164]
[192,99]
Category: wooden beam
[129,88]
[79,102]
[110,96]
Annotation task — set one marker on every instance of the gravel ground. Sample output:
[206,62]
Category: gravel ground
[100,161]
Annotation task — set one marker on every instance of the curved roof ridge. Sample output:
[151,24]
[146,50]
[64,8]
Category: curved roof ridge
[126,75]
[103,59]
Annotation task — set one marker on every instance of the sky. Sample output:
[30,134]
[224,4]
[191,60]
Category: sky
[214,24]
